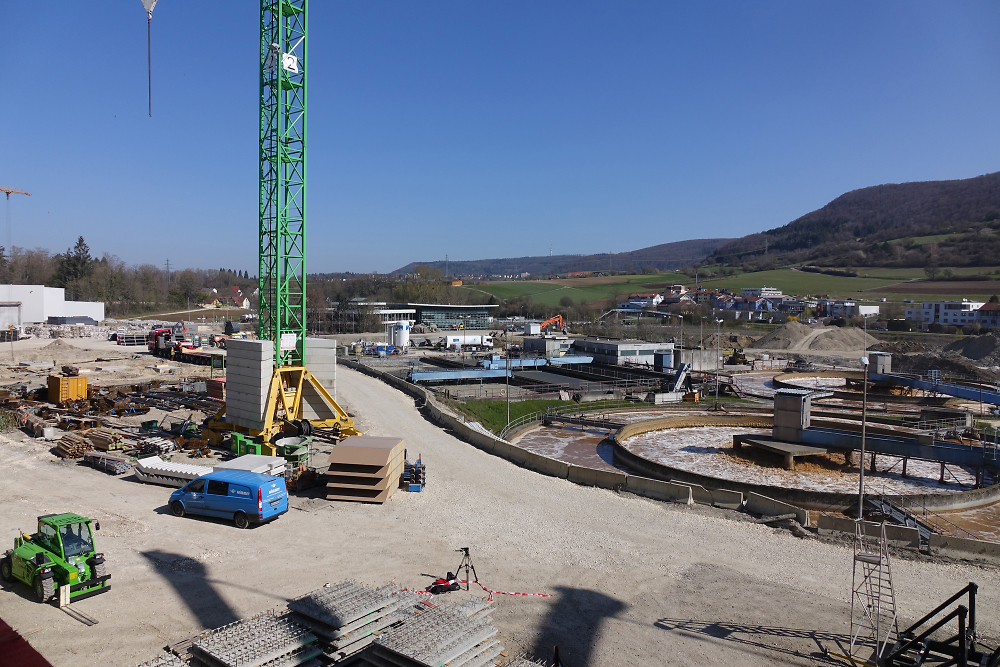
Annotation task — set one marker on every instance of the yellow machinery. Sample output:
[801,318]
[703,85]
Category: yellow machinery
[285,412]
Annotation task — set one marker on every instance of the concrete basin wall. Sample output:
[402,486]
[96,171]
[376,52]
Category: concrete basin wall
[815,500]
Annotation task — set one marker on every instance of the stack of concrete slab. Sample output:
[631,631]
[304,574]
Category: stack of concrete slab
[365,469]
[266,639]
[249,368]
[321,360]
[155,470]
[348,616]
[265,465]
[164,660]
[435,637]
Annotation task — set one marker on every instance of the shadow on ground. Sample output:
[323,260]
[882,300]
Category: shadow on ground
[574,624]
[761,636]
[189,578]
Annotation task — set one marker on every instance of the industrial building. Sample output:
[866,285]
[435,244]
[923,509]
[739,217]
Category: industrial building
[621,352]
[37,304]
[954,313]
[445,315]
[548,346]
[758,292]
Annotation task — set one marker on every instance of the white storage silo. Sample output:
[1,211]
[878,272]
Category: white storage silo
[401,334]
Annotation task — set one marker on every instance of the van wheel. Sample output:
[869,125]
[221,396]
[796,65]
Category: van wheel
[177,508]
[6,569]
[241,520]
[44,589]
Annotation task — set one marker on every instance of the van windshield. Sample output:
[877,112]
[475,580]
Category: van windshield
[76,539]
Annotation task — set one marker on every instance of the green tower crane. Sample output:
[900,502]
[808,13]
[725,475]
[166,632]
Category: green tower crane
[282,282]
[296,401]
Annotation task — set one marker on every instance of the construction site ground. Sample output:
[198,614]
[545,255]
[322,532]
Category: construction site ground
[633,581]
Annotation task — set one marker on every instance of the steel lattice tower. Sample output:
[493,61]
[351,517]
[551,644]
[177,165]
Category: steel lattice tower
[282,281]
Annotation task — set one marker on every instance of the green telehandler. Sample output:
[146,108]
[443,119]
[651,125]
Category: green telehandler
[59,556]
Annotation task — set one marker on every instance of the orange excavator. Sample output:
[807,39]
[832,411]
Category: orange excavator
[557,321]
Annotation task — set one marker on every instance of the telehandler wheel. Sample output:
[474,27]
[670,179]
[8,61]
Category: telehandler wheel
[177,508]
[44,589]
[6,569]
[99,571]
[241,520]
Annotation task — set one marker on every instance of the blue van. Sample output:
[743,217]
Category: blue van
[245,497]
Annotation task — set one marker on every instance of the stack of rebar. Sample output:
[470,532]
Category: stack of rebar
[113,465]
[73,446]
[265,639]
[348,616]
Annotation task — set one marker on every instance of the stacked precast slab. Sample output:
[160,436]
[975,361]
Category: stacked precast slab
[249,368]
[349,616]
[155,470]
[350,623]
[267,639]
[390,627]
[436,637]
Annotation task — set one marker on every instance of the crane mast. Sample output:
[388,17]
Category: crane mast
[282,274]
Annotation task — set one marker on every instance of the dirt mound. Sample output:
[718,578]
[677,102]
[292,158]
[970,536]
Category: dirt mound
[921,363]
[901,347]
[785,337]
[842,338]
[799,337]
[60,345]
[985,348]
[728,341]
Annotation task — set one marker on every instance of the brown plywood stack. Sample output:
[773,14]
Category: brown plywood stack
[365,469]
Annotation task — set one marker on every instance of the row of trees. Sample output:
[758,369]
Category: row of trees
[126,290]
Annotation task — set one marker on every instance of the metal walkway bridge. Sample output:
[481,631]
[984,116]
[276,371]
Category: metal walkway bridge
[936,385]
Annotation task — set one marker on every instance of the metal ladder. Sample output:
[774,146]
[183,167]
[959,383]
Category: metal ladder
[873,602]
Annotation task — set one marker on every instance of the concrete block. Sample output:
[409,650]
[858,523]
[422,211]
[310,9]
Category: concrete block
[965,548]
[654,488]
[731,500]
[898,536]
[592,477]
[758,504]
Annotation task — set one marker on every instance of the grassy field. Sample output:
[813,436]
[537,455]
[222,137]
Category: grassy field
[580,290]
[874,283]
[493,414]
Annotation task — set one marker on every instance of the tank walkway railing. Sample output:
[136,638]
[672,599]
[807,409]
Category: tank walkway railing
[568,410]
[936,385]
[905,511]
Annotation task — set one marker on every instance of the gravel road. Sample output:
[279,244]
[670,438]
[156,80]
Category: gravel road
[634,581]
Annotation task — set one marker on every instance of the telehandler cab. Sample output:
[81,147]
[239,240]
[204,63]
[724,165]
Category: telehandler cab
[61,554]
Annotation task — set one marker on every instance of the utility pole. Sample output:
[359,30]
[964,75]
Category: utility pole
[864,423]
[168,274]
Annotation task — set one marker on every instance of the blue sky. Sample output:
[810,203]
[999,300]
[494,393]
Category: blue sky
[485,129]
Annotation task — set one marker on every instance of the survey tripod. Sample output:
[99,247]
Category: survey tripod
[467,564]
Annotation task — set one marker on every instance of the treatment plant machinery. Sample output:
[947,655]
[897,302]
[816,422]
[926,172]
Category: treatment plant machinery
[282,215]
